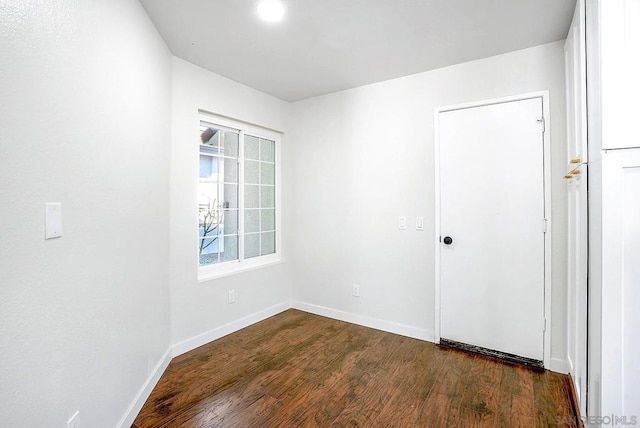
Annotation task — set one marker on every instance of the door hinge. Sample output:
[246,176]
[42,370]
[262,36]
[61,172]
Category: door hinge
[544,324]
[545,223]
[544,124]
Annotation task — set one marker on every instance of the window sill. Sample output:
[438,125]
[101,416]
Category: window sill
[208,273]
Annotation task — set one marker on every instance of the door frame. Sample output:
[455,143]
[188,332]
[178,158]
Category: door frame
[547,207]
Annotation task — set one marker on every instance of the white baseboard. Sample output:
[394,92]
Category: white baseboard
[570,366]
[142,395]
[559,365]
[187,345]
[378,324]
[218,332]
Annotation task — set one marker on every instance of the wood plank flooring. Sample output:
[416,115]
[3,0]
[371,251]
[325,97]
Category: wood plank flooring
[302,370]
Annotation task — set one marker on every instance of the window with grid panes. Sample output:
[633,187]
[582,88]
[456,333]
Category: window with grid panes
[237,209]
[259,196]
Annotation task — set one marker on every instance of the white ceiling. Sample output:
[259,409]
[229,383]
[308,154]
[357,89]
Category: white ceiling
[324,46]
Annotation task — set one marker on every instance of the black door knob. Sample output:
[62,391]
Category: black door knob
[447,240]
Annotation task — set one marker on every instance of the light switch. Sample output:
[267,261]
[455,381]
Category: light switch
[53,220]
[402,223]
[419,223]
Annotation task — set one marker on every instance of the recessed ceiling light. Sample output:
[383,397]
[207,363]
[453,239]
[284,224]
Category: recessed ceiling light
[270,10]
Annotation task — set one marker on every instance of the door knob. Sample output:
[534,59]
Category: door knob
[447,240]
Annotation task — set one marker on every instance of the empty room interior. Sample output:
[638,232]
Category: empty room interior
[240,213]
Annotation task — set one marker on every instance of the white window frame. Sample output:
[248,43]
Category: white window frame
[217,270]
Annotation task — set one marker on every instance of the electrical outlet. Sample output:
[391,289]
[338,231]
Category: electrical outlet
[232,296]
[74,421]
[356,290]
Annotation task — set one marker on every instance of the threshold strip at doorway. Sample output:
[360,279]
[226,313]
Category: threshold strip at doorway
[503,356]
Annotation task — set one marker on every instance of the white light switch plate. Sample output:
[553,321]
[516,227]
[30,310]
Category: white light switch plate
[53,220]
[419,223]
[402,223]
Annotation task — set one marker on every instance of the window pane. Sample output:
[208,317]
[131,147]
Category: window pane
[267,150]
[267,173]
[209,223]
[251,245]
[252,172]
[267,197]
[208,250]
[267,220]
[230,170]
[251,221]
[230,144]
[268,245]
[221,173]
[251,196]
[230,222]
[230,196]
[208,166]
[251,147]
[209,136]
[209,151]
[229,250]
[209,195]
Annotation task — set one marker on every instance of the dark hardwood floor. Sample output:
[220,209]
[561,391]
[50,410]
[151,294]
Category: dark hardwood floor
[301,370]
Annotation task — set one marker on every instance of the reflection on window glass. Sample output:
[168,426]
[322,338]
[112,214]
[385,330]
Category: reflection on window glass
[218,196]
[234,164]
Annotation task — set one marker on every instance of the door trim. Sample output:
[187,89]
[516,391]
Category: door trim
[544,95]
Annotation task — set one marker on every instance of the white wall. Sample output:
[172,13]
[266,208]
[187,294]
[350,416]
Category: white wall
[84,120]
[365,156]
[199,308]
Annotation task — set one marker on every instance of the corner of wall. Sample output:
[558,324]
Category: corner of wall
[145,391]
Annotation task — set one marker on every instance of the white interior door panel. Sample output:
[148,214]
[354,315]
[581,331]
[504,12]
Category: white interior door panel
[491,167]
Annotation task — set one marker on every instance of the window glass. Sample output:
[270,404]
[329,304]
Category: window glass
[218,196]
[237,210]
[251,245]
[260,180]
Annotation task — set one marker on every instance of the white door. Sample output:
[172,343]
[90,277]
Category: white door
[577,178]
[491,174]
